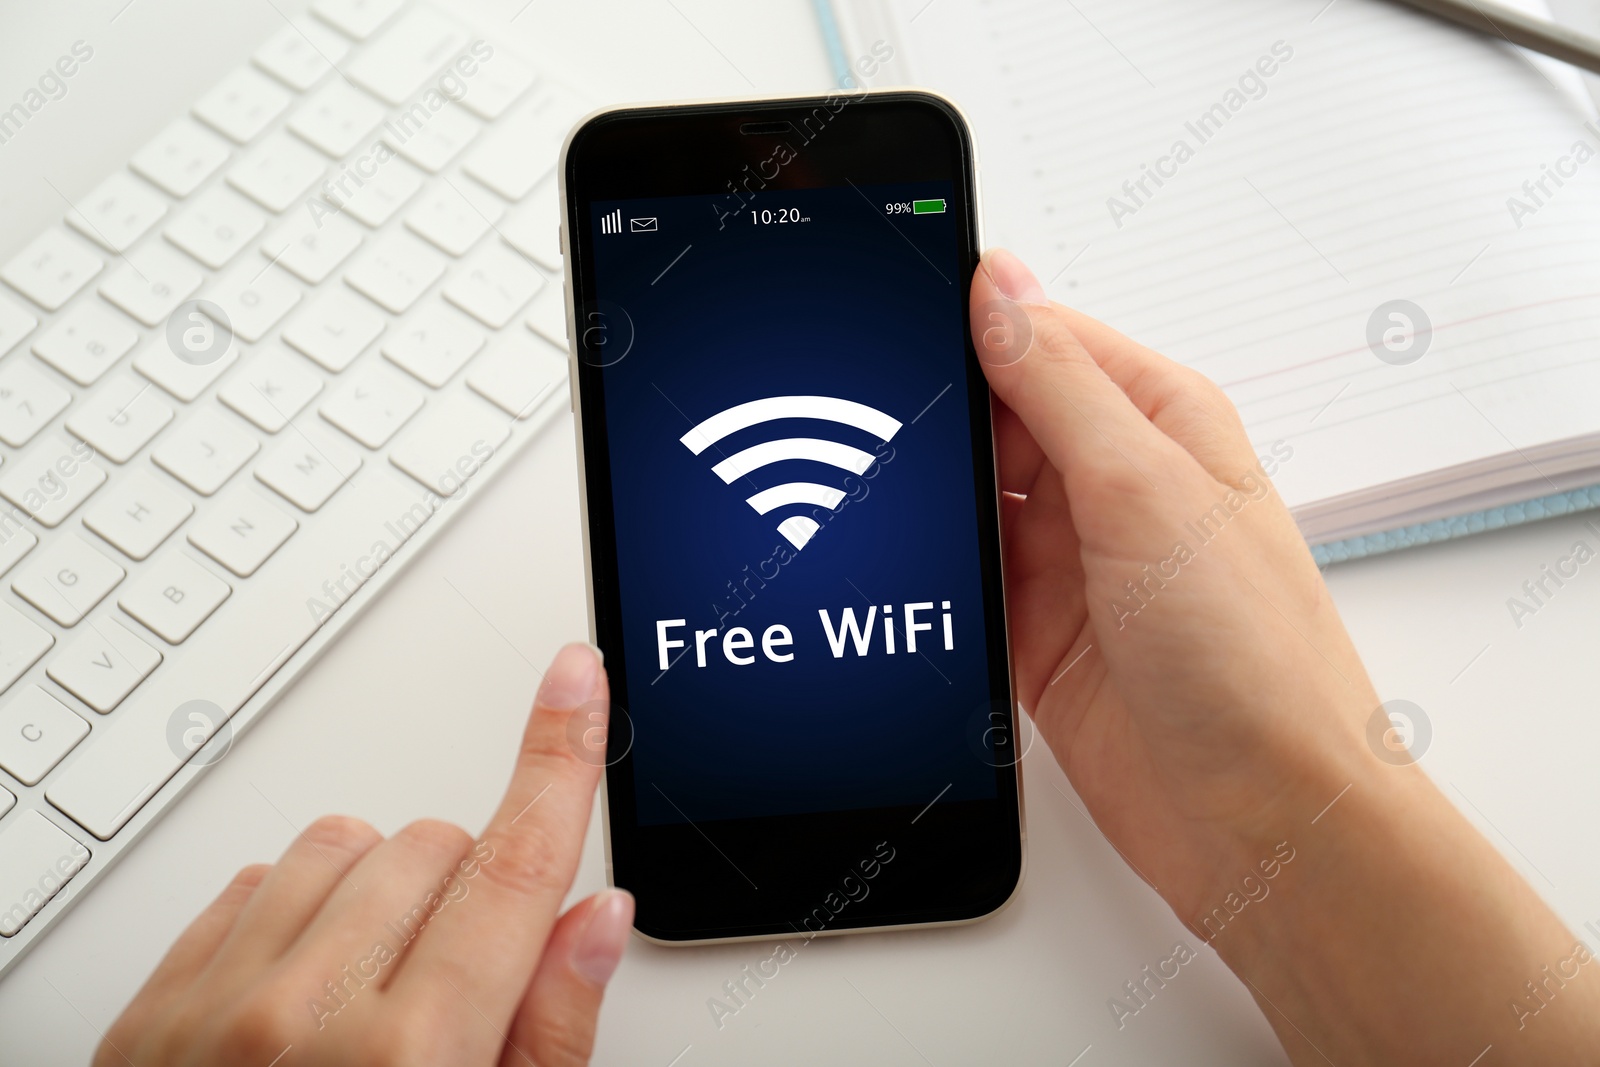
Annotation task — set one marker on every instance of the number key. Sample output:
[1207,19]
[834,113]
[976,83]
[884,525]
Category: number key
[28,401]
[155,282]
[85,342]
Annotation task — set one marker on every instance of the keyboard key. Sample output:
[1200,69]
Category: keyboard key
[153,284]
[493,284]
[277,172]
[67,579]
[523,146]
[22,642]
[272,389]
[181,157]
[301,54]
[445,217]
[334,329]
[216,227]
[311,248]
[254,298]
[120,417]
[384,193]
[206,451]
[432,143]
[548,316]
[434,344]
[395,271]
[450,442]
[241,530]
[28,401]
[36,860]
[51,269]
[173,596]
[114,773]
[51,479]
[118,212]
[103,664]
[86,341]
[181,378]
[337,118]
[372,406]
[534,228]
[356,18]
[16,541]
[15,324]
[36,730]
[309,466]
[517,373]
[138,513]
[398,63]
[500,82]
[242,105]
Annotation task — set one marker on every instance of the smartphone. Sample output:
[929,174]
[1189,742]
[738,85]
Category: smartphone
[790,512]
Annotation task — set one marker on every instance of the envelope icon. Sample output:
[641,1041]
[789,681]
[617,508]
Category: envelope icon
[645,225]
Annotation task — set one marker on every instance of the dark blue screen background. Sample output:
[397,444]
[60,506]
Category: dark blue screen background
[855,304]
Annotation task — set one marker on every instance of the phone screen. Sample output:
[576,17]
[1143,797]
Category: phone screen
[800,558]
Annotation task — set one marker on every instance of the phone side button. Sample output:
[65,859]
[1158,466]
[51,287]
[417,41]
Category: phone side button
[572,339]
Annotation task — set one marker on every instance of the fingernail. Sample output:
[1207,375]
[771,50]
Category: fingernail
[573,677]
[603,940]
[1013,278]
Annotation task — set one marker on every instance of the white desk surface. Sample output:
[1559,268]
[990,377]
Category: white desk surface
[416,712]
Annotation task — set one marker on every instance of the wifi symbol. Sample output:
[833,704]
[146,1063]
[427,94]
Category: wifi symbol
[797,528]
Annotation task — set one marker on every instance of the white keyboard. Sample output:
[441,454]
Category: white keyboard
[241,382]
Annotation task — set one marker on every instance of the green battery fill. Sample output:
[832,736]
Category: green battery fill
[927,207]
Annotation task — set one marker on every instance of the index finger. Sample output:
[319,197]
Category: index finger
[488,935]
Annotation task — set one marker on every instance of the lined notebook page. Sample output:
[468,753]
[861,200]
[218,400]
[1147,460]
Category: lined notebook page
[1374,163]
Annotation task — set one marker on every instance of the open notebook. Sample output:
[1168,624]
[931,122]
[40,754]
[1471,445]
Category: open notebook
[1380,234]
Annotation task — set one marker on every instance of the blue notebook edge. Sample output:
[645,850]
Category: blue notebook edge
[1427,533]
[833,42]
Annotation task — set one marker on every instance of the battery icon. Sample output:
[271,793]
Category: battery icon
[927,207]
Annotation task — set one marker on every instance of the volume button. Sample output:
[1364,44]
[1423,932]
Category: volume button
[572,344]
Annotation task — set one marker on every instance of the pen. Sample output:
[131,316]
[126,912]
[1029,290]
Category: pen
[1541,35]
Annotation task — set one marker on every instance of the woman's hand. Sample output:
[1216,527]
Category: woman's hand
[1172,636]
[426,948]
[1177,649]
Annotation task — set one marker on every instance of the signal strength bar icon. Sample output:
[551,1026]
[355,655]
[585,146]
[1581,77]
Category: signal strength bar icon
[611,222]
[798,529]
